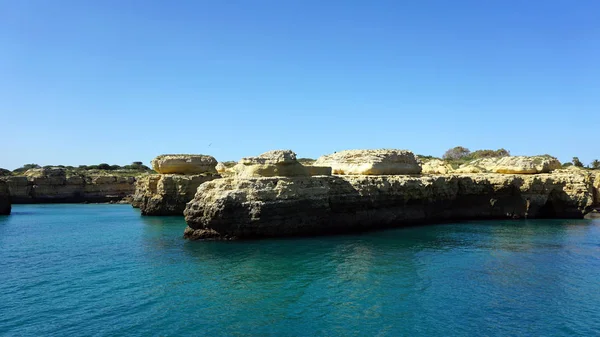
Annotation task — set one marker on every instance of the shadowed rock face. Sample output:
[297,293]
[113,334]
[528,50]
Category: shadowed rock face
[166,194]
[5,204]
[232,208]
[54,186]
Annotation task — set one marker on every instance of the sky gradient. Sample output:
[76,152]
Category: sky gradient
[86,82]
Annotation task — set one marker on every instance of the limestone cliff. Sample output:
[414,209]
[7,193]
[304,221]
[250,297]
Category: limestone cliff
[371,162]
[184,164]
[166,194]
[231,208]
[53,185]
[276,163]
[511,165]
[5,202]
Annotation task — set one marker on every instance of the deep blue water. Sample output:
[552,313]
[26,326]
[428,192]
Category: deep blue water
[105,270]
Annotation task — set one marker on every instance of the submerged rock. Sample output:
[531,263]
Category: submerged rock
[233,208]
[371,162]
[184,164]
[5,203]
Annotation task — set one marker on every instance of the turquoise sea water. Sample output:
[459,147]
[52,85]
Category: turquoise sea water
[98,270]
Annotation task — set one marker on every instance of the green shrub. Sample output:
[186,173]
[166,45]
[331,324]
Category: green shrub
[577,162]
[26,167]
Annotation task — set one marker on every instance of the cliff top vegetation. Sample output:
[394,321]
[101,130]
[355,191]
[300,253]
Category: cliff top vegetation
[134,169]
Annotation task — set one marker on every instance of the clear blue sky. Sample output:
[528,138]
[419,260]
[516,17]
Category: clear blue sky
[116,81]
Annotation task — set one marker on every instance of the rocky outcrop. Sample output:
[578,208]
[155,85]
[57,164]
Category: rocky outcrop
[184,164]
[511,165]
[233,208]
[596,179]
[167,194]
[436,166]
[371,162]
[221,168]
[5,202]
[526,165]
[282,163]
[54,185]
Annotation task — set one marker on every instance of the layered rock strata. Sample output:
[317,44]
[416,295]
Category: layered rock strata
[371,162]
[236,208]
[53,185]
[511,165]
[282,163]
[436,166]
[166,194]
[5,200]
[184,164]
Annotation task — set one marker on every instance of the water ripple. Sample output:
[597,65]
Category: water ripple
[102,270]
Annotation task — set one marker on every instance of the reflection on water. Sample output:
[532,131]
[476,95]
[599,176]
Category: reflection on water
[85,270]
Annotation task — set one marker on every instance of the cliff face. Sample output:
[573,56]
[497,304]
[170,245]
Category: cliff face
[230,208]
[54,186]
[166,194]
[5,201]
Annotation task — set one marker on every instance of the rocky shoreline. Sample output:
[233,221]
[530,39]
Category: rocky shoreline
[356,199]
[274,195]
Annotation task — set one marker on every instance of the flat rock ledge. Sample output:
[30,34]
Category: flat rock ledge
[234,208]
[184,164]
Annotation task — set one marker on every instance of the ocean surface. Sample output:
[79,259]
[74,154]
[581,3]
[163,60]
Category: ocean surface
[103,270]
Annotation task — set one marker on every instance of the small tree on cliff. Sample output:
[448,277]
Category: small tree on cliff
[595,164]
[26,167]
[456,153]
[577,162]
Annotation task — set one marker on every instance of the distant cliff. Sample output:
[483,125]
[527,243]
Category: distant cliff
[56,185]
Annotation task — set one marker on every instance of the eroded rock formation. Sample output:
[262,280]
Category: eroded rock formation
[184,164]
[371,162]
[436,166]
[5,202]
[275,163]
[167,194]
[54,185]
[232,208]
[511,165]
